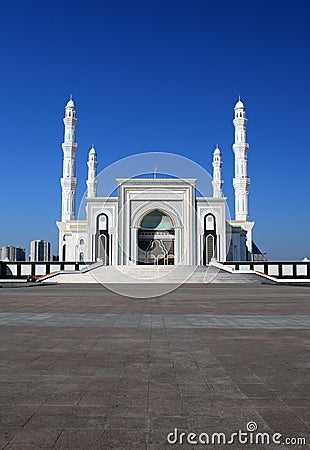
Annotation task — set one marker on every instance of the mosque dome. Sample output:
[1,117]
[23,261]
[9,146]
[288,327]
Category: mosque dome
[70,103]
[239,104]
[92,151]
[217,151]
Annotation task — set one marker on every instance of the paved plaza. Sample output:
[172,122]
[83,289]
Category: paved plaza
[82,367]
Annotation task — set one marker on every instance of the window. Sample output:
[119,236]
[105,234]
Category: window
[209,222]
[102,219]
[81,241]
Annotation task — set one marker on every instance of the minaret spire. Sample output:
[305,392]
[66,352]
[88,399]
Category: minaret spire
[69,181]
[92,181]
[241,181]
[217,181]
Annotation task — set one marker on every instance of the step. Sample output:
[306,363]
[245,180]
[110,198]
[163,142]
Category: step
[154,274]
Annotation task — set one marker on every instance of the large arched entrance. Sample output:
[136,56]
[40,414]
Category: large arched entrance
[156,239]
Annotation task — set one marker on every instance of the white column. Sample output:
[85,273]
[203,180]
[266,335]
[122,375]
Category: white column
[134,246]
[217,181]
[92,181]
[177,246]
[241,181]
[69,181]
[110,250]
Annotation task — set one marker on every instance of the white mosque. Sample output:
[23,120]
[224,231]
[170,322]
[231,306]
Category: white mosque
[156,220]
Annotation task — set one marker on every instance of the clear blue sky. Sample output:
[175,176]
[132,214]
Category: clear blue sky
[156,75]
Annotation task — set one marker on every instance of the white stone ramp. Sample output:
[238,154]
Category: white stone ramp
[153,274]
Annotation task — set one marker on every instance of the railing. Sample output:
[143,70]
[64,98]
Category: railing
[23,269]
[276,269]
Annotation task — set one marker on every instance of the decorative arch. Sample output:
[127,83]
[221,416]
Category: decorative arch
[156,220]
[209,238]
[102,222]
[102,240]
[165,209]
[93,215]
[210,222]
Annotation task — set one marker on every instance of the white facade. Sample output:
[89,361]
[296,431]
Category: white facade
[154,220]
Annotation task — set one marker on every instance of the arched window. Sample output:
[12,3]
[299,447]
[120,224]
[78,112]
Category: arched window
[209,241]
[210,222]
[103,243]
[81,241]
[102,222]
[81,257]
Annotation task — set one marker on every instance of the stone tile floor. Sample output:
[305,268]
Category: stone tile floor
[84,368]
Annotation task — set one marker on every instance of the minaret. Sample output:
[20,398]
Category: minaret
[92,181]
[217,181]
[69,181]
[241,181]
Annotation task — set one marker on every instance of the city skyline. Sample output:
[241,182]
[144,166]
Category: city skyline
[156,77]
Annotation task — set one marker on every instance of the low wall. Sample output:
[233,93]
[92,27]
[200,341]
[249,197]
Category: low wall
[22,269]
[277,269]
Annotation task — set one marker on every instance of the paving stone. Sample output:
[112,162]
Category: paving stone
[81,367]
[85,439]
[37,439]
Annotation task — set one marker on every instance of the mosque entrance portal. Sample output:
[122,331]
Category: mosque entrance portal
[156,239]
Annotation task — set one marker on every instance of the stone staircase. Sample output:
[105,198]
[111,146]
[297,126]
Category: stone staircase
[152,274]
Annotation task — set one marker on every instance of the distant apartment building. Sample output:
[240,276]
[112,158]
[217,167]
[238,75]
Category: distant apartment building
[12,253]
[40,251]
